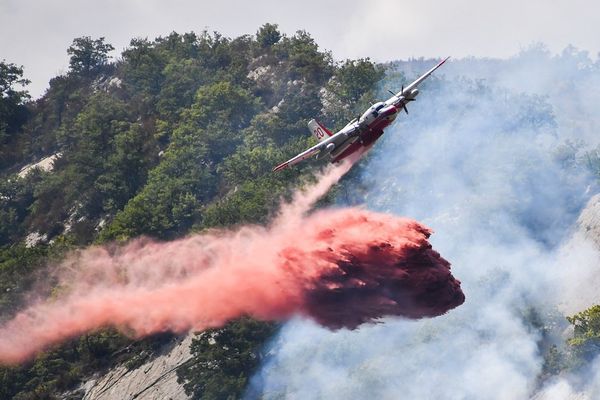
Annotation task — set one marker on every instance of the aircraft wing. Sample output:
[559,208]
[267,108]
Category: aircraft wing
[334,144]
[421,78]
[300,157]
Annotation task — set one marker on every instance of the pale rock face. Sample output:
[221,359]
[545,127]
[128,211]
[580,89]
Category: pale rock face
[589,220]
[45,164]
[105,83]
[35,238]
[115,82]
[154,380]
[101,224]
[255,74]
[578,262]
[328,98]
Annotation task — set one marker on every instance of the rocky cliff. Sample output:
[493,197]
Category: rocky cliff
[155,379]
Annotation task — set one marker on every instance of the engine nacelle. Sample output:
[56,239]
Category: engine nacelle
[329,148]
[414,93]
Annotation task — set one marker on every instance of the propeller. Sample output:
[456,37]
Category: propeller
[401,91]
[405,100]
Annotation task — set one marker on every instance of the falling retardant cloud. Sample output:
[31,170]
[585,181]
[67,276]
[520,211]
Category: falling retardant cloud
[341,267]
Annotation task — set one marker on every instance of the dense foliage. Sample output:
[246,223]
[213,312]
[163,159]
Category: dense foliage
[13,112]
[586,333]
[178,134]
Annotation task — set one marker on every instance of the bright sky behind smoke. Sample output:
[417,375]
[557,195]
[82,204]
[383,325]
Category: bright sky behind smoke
[36,33]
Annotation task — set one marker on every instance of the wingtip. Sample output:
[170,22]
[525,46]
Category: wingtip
[280,167]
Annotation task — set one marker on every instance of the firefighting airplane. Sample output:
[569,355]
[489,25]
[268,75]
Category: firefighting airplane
[360,133]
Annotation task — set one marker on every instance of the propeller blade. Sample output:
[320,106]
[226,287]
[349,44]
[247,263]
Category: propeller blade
[405,109]
[393,94]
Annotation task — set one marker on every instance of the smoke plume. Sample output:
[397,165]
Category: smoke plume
[490,157]
[340,267]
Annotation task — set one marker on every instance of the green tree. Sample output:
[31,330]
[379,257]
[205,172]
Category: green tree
[220,113]
[268,35]
[586,333]
[357,77]
[11,75]
[13,112]
[170,202]
[307,61]
[351,90]
[142,72]
[125,168]
[182,78]
[222,101]
[88,55]
[101,167]
[16,197]
[53,112]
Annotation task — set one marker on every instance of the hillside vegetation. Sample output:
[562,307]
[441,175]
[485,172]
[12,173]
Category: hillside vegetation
[176,135]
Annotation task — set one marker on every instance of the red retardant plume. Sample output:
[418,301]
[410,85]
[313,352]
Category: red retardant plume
[340,267]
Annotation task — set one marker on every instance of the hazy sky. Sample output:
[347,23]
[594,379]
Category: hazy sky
[36,33]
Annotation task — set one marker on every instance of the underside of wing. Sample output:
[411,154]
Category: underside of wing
[300,157]
[332,145]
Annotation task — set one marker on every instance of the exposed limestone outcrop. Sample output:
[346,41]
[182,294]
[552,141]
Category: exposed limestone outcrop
[155,379]
[45,164]
[589,220]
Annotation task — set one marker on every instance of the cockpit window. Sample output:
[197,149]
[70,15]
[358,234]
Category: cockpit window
[375,108]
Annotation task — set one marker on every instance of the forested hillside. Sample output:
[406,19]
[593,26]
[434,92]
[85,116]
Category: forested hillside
[175,135]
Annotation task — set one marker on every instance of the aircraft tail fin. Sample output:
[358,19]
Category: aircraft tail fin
[318,130]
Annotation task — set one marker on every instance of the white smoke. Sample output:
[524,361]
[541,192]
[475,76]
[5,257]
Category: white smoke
[482,160]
